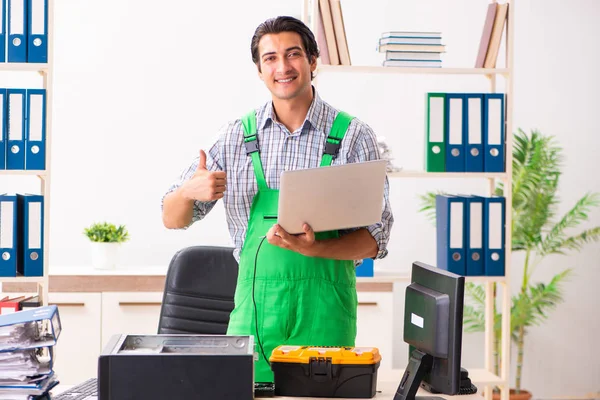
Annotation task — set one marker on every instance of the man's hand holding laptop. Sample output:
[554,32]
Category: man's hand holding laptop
[301,243]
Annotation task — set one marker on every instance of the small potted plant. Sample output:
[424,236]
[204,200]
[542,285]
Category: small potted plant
[106,239]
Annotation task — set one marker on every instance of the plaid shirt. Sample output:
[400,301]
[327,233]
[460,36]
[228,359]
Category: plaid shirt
[281,150]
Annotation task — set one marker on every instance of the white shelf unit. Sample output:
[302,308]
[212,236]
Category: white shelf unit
[486,377]
[46,71]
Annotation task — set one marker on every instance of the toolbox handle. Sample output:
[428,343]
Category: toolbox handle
[320,369]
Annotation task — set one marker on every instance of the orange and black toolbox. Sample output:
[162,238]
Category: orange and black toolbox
[311,371]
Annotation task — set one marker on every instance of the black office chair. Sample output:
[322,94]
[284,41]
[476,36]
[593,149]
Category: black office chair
[199,290]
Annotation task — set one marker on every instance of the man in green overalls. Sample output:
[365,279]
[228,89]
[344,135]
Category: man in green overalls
[292,289]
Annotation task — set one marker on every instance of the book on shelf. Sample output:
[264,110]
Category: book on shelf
[321,40]
[331,34]
[409,40]
[491,36]
[412,55]
[486,34]
[427,48]
[413,34]
[340,32]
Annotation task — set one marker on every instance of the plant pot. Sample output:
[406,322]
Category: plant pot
[523,395]
[105,255]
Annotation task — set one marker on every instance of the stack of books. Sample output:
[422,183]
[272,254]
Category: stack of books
[412,49]
[27,340]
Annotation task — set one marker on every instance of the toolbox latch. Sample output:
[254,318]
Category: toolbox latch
[320,368]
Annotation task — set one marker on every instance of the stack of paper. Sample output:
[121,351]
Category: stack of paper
[26,352]
[19,365]
[25,335]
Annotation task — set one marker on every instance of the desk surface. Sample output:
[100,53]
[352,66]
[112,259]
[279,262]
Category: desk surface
[385,391]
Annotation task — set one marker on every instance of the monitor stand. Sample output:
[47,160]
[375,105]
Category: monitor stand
[419,364]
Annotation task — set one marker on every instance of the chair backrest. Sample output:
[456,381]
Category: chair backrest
[199,290]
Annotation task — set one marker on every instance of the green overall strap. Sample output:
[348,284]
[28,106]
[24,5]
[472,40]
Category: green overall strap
[251,143]
[338,130]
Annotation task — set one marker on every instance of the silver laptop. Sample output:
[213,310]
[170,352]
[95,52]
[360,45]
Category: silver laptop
[334,197]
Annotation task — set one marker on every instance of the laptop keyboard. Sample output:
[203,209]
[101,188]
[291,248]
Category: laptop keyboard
[87,390]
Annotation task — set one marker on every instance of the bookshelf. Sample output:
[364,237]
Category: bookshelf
[484,378]
[46,72]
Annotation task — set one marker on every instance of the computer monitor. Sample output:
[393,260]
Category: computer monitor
[433,314]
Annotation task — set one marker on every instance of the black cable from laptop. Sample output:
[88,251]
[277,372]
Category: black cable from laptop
[254,301]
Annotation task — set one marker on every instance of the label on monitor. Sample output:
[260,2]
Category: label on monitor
[416,320]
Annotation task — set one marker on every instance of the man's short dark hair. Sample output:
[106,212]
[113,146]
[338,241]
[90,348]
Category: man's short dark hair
[285,24]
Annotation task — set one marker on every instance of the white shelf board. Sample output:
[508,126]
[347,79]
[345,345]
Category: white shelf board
[22,172]
[6,66]
[403,70]
[424,174]
[485,279]
[22,279]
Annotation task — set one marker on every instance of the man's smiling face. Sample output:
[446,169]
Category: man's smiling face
[284,65]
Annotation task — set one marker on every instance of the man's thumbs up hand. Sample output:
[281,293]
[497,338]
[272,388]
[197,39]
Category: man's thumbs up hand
[205,185]
[202,161]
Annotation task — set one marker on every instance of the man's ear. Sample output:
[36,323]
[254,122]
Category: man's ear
[313,63]
[258,71]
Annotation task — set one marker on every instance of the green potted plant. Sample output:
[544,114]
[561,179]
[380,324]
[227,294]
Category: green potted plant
[106,239]
[538,233]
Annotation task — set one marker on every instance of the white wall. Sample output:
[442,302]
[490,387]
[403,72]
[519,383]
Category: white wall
[140,87]
[555,81]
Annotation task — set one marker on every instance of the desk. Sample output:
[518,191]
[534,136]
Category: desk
[385,391]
